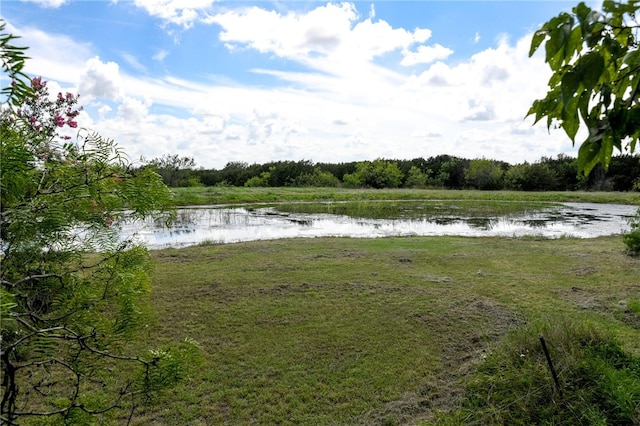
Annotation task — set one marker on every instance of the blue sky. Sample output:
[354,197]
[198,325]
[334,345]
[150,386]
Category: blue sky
[264,81]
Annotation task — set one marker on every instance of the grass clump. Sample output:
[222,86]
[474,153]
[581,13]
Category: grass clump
[599,382]
[632,238]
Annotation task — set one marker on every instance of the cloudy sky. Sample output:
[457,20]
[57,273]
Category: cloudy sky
[263,81]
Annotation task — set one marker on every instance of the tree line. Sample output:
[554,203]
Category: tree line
[443,171]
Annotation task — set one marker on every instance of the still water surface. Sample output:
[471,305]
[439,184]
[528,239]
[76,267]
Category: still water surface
[236,224]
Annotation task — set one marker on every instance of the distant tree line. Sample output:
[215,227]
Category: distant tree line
[442,171]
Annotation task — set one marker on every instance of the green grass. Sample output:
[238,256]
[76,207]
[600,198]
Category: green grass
[226,195]
[339,331]
[597,381]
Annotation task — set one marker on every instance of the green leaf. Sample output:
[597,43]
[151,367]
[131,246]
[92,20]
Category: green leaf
[588,156]
[583,105]
[570,119]
[583,12]
[570,83]
[538,38]
[573,44]
[589,69]
[606,150]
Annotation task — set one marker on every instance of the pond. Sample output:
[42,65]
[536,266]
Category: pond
[230,224]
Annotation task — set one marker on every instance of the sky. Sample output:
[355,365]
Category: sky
[260,81]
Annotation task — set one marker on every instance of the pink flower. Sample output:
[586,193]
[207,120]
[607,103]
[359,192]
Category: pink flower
[59,120]
[37,83]
[72,124]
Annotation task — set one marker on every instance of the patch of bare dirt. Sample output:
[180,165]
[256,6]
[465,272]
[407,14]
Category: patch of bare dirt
[583,271]
[615,305]
[583,298]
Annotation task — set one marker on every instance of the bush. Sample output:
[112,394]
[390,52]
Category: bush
[632,238]
[317,178]
[259,181]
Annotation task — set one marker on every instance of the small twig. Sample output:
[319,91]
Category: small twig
[551,368]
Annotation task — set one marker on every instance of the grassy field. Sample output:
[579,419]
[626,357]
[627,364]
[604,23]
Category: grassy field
[380,331]
[225,195]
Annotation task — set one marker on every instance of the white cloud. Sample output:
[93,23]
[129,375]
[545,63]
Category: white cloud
[425,55]
[477,111]
[50,4]
[52,56]
[160,55]
[132,109]
[179,12]
[343,105]
[322,38]
[133,62]
[100,80]
[103,111]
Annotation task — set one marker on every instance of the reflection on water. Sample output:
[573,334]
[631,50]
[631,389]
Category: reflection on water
[229,225]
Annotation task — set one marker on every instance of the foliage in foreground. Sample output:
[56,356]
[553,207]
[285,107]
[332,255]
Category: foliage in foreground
[595,61]
[599,383]
[71,289]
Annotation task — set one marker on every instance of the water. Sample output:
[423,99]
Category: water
[236,224]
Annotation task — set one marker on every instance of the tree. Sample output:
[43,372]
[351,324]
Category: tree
[71,287]
[374,174]
[595,61]
[531,177]
[415,178]
[317,178]
[175,170]
[484,174]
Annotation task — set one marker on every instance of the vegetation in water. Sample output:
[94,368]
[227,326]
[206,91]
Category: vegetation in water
[412,209]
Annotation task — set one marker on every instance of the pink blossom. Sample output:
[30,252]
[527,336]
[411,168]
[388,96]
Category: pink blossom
[72,124]
[59,120]
[37,83]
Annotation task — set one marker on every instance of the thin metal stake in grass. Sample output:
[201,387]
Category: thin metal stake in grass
[550,363]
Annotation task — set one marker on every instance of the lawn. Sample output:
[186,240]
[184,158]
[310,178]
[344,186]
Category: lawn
[337,331]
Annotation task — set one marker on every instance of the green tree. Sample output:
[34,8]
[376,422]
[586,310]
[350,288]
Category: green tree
[484,174]
[595,61]
[259,181]
[71,287]
[13,59]
[531,177]
[176,170]
[415,178]
[374,174]
[317,178]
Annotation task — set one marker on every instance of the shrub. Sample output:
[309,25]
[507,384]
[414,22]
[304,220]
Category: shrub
[632,238]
